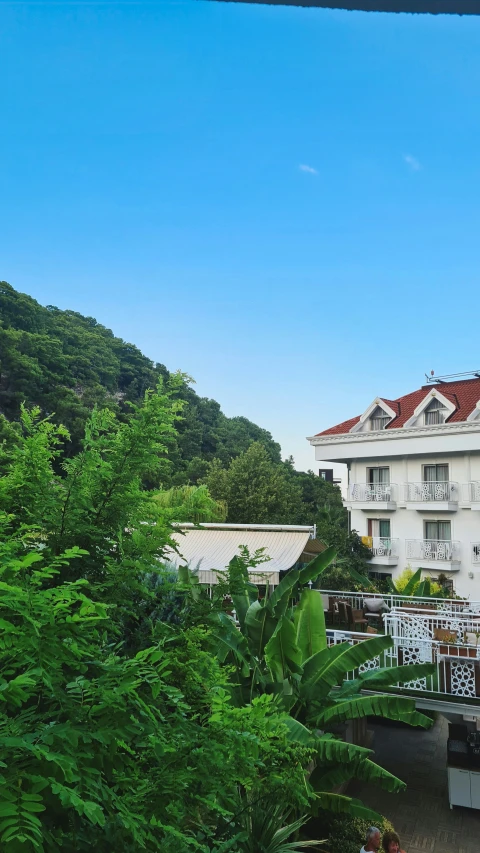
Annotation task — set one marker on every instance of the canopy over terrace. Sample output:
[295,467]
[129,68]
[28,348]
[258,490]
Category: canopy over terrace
[432,7]
[210,547]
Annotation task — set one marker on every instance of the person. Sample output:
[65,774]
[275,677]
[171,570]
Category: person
[372,841]
[391,843]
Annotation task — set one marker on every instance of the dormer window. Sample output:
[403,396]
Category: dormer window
[435,413]
[379,419]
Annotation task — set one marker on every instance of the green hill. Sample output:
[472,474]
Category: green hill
[65,363]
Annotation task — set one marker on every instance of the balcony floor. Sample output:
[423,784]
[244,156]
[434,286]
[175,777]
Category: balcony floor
[434,565]
[368,506]
[383,561]
[432,506]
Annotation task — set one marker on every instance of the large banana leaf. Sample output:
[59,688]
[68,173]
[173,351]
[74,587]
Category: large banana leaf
[326,778]
[365,582]
[278,600]
[231,641]
[339,804]
[327,668]
[316,566]
[330,749]
[297,733]
[385,677]
[310,624]
[327,747]
[281,652]
[260,626]
[423,590]
[242,599]
[412,582]
[392,707]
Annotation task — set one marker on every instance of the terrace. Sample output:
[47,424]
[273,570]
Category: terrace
[445,632]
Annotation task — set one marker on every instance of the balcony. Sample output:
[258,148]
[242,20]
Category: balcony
[366,496]
[474,494]
[436,497]
[444,553]
[384,551]
[476,552]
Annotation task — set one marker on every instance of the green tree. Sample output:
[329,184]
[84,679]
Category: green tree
[282,649]
[66,363]
[254,489]
[112,736]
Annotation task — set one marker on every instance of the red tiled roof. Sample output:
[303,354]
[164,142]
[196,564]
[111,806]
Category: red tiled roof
[463,394]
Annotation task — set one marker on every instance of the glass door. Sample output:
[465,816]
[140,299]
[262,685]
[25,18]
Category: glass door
[435,478]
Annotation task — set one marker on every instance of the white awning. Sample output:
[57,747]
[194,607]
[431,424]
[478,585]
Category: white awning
[210,547]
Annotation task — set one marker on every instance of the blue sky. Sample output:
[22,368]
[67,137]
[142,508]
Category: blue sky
[284,203]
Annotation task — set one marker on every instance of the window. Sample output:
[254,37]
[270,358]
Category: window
[380,576]
[435,413]
[435,473]
[378,476]
[379,528]
[435,483]
[378,419]
[438,531]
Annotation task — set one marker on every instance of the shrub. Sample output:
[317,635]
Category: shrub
[347,835]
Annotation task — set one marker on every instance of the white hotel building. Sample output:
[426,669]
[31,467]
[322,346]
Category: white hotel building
[414,480]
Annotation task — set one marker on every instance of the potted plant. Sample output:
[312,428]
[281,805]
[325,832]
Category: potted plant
[450,639]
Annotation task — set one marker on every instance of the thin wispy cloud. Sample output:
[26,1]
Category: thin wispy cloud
[304,168]
[412,162]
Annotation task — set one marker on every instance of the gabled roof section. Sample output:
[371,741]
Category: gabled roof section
[462,398]
[389,407]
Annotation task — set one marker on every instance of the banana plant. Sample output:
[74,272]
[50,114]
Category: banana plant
[280,646]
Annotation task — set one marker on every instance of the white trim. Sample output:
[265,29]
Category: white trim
[475,415]
[395,433]
[363,418]
[434,394]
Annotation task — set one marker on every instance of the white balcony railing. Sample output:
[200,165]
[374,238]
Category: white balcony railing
[432,549]
[456,664]
[374,492]
[474,491]
[450,606]
[475,552]
[382,547]
[429,492]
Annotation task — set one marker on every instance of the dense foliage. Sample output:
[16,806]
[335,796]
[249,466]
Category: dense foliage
[135,715]
[347,834]
[65,363]
[116,726]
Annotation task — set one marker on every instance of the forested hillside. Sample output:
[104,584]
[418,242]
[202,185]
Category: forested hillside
[65,363]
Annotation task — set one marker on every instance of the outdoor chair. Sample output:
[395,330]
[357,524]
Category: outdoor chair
[342,612]
[332,615]
[355,618]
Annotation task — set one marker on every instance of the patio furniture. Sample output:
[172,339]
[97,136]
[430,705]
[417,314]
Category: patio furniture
[342,612]
[355,618]
[332,615]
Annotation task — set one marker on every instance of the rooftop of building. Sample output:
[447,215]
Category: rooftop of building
[463,395]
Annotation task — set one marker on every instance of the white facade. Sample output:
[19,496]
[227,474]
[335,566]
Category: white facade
[415,492]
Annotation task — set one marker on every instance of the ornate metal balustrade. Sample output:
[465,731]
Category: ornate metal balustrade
[474,491]
[447,551]
[374,493]
[457,667]
[358,599]
[475,552]
[382,547]
[431,492]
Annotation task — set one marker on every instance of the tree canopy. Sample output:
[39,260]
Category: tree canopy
[66,363]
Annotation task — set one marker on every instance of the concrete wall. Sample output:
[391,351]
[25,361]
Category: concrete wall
[409,523]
